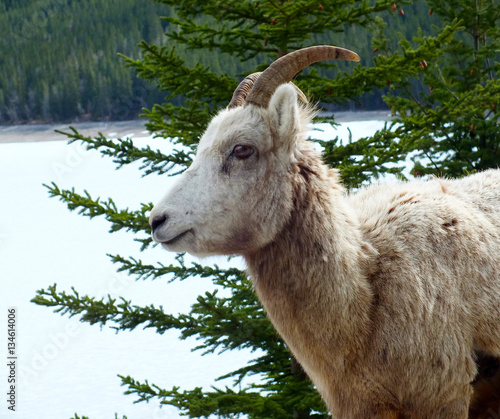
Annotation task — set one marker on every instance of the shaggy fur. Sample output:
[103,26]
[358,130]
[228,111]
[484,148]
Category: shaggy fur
[389,298]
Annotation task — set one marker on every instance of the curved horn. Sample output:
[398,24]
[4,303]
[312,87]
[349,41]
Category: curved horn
[286,67]
[244,88]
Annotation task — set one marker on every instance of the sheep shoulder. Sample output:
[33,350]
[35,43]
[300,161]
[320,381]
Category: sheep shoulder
[423,216]
[436,274]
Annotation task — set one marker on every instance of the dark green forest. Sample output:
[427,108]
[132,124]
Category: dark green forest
[60,59]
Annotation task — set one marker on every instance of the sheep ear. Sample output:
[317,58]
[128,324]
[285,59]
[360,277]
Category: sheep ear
[284,113]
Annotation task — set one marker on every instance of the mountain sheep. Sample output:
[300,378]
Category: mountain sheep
[389,298]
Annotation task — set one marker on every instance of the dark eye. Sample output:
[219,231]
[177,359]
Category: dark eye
[243,151]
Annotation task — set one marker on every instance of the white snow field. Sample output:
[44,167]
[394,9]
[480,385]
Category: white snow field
[65,366]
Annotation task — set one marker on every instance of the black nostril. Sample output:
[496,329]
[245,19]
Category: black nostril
[158,221]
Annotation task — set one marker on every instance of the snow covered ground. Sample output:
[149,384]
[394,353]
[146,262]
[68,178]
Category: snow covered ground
[65,366]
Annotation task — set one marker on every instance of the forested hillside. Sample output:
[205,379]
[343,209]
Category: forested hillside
[59,58]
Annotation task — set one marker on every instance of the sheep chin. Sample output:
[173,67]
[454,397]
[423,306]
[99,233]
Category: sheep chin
[179,243]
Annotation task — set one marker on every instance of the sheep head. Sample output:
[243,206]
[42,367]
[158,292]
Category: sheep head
[237,195]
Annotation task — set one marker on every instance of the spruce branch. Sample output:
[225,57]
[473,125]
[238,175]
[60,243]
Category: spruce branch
[92,311]
[134,221]
[363,160]
[223,277]
[227,403]
[212,318]
[119,315]
[197,402]
[124,152]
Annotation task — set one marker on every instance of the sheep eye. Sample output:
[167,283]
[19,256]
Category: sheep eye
[243,151]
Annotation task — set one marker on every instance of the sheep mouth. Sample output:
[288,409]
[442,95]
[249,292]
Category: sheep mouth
[175,239]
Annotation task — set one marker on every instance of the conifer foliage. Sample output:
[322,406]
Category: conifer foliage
[450,122]
[456,119]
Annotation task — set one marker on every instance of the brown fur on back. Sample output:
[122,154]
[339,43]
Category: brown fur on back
[383,298]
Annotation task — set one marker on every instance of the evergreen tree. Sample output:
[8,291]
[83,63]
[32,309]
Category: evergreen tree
[445,96]
[246,33]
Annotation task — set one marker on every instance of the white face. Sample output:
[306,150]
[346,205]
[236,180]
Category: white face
[237,194]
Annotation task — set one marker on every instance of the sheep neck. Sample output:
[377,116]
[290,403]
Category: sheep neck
[309,279]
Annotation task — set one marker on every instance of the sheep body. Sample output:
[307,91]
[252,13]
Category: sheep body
[429,257]
[383,296]
[435,278]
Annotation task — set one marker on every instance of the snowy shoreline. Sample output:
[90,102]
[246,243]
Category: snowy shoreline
[131,128]
[46,132]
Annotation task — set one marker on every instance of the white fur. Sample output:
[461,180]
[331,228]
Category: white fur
[385,297]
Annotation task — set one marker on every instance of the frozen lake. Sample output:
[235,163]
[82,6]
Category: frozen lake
[65,366]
